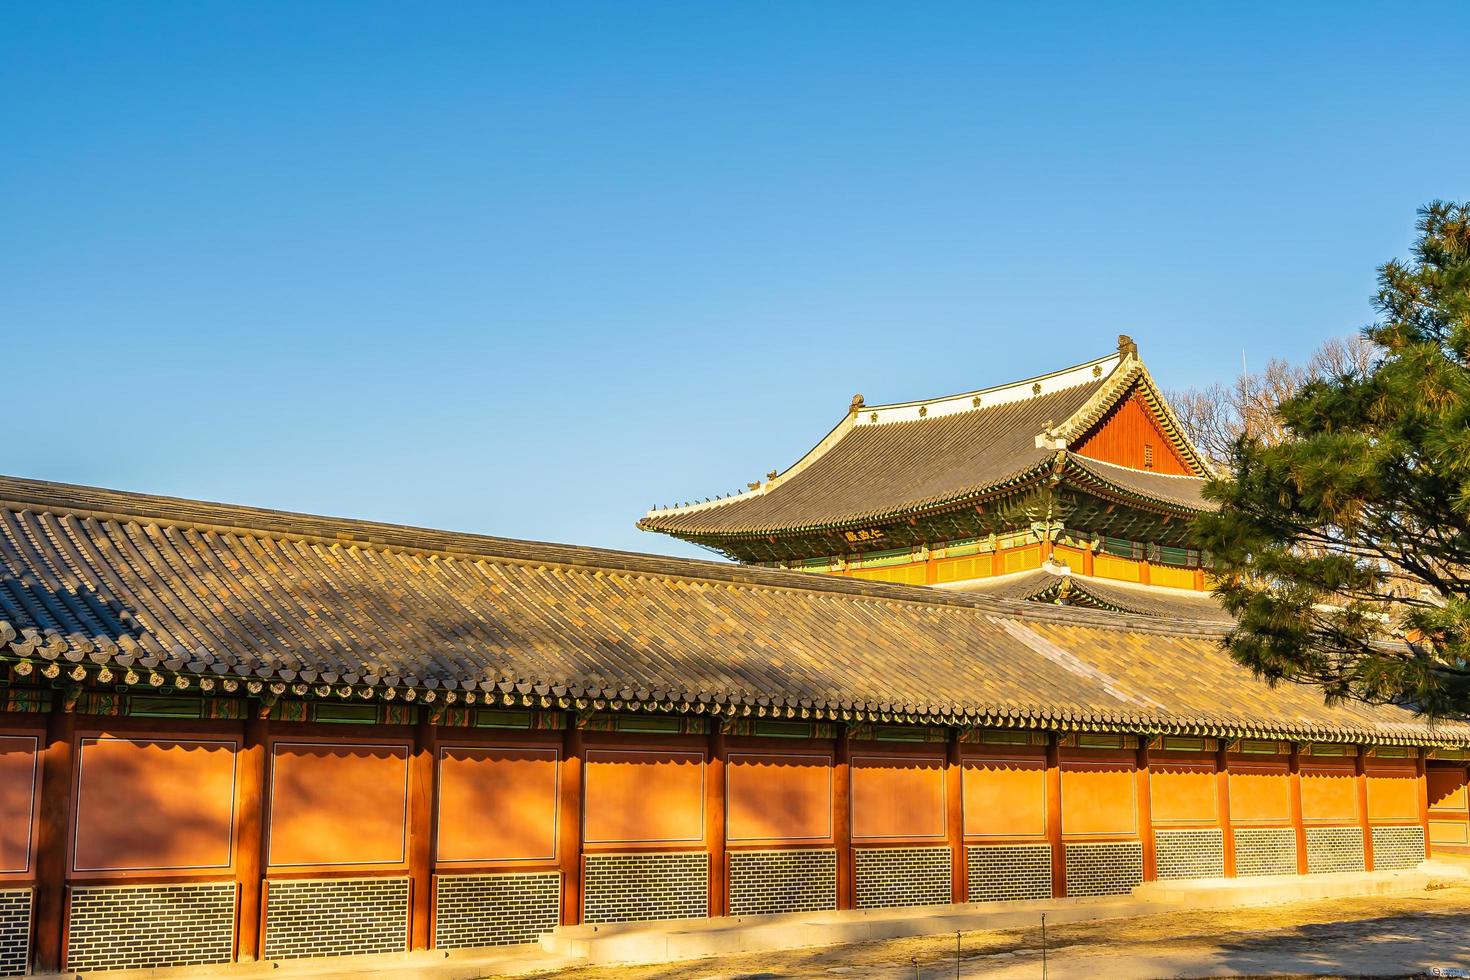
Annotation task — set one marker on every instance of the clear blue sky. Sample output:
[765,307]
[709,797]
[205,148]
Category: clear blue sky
[527,269]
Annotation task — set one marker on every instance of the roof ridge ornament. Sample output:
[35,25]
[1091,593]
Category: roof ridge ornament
[1126,345]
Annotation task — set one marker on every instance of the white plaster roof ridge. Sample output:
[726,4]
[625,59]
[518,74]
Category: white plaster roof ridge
[1002,394]
[1094,461]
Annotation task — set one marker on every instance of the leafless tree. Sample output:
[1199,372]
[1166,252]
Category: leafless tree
[1216,415]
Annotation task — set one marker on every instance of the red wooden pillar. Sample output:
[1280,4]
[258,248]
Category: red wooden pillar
[1360,781]
[569,843]
[1294,770]
[842,819]
[250,837]
[1054,815]
[1145,811]
[1089,559]
[714,821]
[954,818]
[58,767]
[1144,572]
[421,829]
[1421,772]
[1222,795]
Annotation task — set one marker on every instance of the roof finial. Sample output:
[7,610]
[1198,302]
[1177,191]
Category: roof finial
[857,403]
[1126,345]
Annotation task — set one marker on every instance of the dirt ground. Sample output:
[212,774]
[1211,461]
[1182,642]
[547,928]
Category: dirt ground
[1313,933]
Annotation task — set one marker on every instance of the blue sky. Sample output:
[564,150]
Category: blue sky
[527,269]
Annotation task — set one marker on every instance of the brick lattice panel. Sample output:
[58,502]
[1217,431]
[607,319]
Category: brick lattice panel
[495,910]
[638,887]
[1265,851]
[145,927]
[1112,868]
[1190,853]
[1008,872]
[1334,849]
[15,931]
[1397,847]
[889,877]
[335,917]
[768,882]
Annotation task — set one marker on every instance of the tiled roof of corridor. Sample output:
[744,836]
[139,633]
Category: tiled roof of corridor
[92,577]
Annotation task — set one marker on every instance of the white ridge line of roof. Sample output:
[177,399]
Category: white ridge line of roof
[1089,460]
[1004,394]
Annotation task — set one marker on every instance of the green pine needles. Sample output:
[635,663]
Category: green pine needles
[1342,545]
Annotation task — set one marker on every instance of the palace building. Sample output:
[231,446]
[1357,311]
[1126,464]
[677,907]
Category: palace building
[1075,487]
[230,734]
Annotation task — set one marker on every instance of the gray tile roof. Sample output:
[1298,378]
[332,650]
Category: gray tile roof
[93,577]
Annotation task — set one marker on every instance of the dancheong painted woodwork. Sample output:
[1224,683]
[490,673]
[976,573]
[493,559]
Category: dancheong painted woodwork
[1083,474]
[237,734]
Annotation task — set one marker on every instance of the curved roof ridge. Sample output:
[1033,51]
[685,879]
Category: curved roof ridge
[1134,469]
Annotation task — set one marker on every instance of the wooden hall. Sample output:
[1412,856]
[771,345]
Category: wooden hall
[235,734]
[1074,487]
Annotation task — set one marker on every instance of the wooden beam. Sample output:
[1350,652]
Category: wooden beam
[569,834]
[1294,777]
[250,837]
[58,768]
[714,821]
[1145,810]
[1054,815]
[1360,786]
[421,801]
[1422,775]
[1222,797]
[842,819]
[954,818]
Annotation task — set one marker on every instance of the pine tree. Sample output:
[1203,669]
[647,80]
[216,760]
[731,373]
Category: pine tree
[1343,548]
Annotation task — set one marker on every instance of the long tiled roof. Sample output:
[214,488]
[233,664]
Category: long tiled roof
[883,462]
[194,591]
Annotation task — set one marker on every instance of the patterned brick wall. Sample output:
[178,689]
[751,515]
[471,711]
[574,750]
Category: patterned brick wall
[765,882]
[1397,847]
[1190,853]
[495,910]
[1334,849]
[335,917]
[15,931]
[1112,868]
[1265,851]
[635,887]
[1008,872]
[143,927]
[888,877]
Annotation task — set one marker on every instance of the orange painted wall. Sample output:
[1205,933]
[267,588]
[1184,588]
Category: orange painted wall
[146,804]
[497,804]
[1259,793]
[778,796]
[894,797]
[1099,799]
[18,776]
[1005,797]
[644,796]
[1393,794]
[1182,794]
[1329,793]
[338,804]
[1122,434]
[1449,806]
